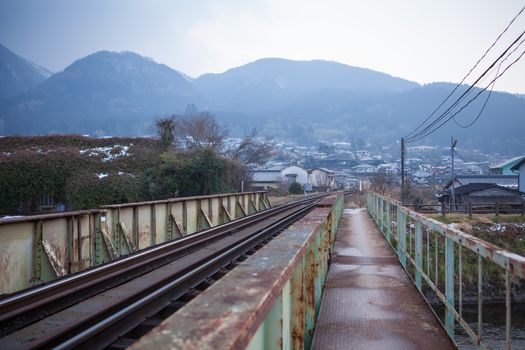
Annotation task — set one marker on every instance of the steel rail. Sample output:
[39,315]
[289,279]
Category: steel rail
[17,303]
[103,333]
[20,304]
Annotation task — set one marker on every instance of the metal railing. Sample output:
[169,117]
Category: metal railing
[448,262]
[39,248]
[470,209]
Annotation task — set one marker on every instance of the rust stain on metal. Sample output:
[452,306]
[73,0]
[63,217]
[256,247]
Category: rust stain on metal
[227,315]
[55,258]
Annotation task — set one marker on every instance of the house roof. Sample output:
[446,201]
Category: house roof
[266,176]
[360,166]
[484,189]
[473,187]
[509,162]
[501,180]
[518,164]
[322,169]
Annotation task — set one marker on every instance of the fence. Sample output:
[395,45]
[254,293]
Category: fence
[449,262]
[40,248]
[470,209]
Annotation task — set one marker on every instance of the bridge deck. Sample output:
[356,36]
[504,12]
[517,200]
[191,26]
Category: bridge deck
[369,302]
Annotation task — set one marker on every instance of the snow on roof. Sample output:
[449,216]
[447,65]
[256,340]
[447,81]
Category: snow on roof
[266,176]
[511,161]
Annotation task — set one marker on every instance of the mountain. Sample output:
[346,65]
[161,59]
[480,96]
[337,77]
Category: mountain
[270,83]
[381,118]
[107,92]
[18,74]
[122,93]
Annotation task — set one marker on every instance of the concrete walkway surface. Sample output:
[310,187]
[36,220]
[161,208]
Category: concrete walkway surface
[369,302]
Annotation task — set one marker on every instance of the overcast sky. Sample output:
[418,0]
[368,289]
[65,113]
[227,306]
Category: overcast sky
[420,40]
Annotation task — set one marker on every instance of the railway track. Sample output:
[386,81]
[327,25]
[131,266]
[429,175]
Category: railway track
[112,305]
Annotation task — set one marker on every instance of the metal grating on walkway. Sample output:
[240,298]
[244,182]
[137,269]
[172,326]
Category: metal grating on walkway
[369,302]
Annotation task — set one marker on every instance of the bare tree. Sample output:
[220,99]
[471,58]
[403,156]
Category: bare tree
[202,131]
[382,183]
[250,150]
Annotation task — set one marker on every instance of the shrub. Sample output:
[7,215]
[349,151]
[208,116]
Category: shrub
[87,190]
[295,188]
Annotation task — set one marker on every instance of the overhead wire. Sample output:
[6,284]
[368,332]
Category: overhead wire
[465,93]
[468,103]
[464,126]
[469,72]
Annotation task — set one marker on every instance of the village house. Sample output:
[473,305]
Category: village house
[364,169]
[483,195]
[278,175]
[505,168]
[322,179]
[520,169]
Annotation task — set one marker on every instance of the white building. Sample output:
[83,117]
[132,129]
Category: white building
[295,173]
[321,178]
[520,169]
[364,169]
[275,176]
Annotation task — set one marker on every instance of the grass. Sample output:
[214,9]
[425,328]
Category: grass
[481,219]
[503,231]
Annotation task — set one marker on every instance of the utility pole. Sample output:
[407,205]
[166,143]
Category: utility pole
[453,173]
[402,171]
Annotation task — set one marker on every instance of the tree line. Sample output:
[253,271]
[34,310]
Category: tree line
[189,156]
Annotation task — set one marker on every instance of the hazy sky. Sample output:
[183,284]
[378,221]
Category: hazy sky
[420,40]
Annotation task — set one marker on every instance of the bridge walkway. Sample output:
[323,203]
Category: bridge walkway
[369,302]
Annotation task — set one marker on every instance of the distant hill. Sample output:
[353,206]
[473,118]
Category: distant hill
[383,118]
[112,92]
[270,83]
[18,74]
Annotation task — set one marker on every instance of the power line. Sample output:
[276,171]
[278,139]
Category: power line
[505,59]
[470,71]
[479,114]
[468,103]
[490,93]
[443,115]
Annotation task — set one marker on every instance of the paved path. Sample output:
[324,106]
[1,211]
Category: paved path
[369,302]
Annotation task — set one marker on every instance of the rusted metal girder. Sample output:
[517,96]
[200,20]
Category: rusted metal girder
[64,243]
[269,301]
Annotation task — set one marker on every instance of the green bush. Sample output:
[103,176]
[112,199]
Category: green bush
[32,167]
[295,188]
[87,190]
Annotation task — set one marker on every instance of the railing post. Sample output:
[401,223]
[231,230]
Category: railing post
[470,210]
[398,231]
[403,240]
[507,310]
[381,218]
[388,221]
[401,237]
[419,255]
[449,285]
[375,207]
[497,209]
